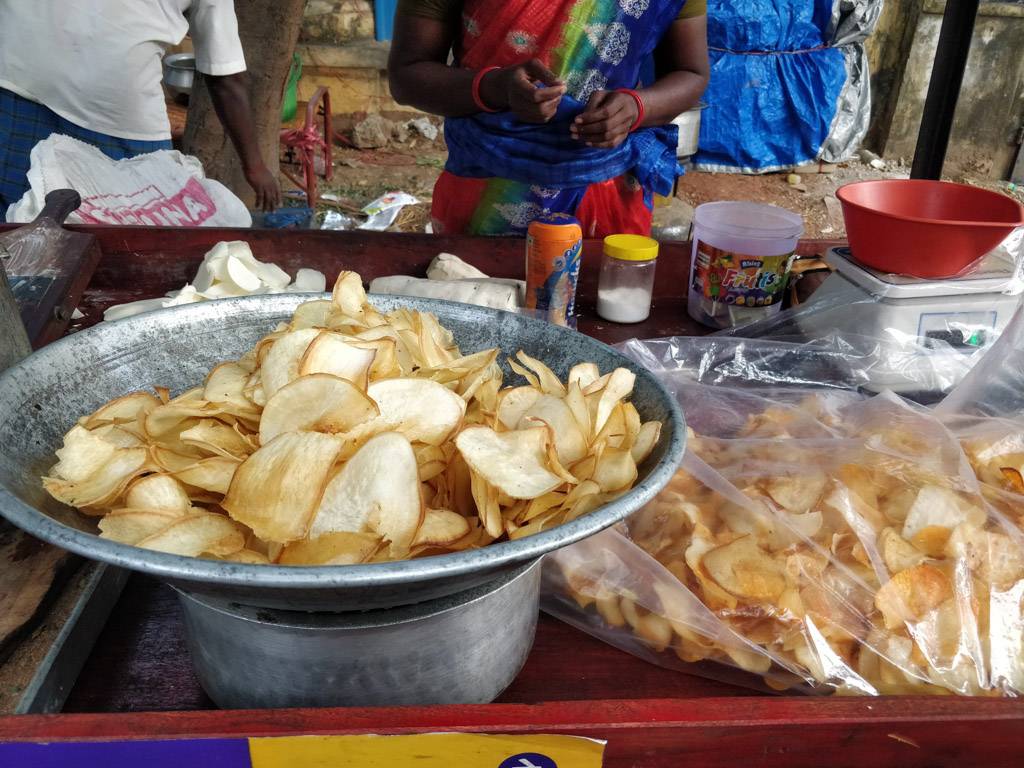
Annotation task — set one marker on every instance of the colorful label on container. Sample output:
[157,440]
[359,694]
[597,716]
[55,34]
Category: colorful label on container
[433,750]
[552,269]
[740,279]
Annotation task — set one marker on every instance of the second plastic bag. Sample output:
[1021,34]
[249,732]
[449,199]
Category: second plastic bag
[819,538]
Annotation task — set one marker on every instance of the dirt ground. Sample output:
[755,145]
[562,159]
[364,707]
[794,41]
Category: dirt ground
[361,175]
[412,165]
[813,196]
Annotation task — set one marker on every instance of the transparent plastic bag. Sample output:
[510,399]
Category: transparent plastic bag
[915,346]
[837,361]
[817,537]
[995,386]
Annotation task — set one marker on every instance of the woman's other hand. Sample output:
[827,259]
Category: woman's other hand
[606,121]
[516,90]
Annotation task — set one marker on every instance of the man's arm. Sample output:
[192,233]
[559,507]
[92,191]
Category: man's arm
[230,96]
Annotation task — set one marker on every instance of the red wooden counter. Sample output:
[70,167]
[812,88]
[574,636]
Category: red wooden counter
[571,683]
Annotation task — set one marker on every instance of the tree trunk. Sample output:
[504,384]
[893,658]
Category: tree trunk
[269,30]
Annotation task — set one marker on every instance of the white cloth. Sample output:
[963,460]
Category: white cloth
[98,63]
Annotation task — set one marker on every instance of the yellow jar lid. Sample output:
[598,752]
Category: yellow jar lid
[631,247]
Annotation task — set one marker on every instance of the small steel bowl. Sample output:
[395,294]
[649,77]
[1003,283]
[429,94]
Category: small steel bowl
[179,73]
[460,649]
[41,398]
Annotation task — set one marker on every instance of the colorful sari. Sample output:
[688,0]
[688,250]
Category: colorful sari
[501,173]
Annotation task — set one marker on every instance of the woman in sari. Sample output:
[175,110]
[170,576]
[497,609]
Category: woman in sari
[544,105]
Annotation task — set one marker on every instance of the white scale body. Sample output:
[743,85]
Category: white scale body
[966,313]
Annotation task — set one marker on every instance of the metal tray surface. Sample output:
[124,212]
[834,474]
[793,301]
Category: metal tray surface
[43,396]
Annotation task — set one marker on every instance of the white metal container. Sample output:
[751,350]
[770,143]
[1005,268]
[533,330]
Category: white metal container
[179,73]
[689,131]
[460,649]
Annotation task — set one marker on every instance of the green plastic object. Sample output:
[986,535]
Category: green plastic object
[289,102]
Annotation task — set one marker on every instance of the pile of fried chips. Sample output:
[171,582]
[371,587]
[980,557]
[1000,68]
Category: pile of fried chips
[350,436]
[862,555]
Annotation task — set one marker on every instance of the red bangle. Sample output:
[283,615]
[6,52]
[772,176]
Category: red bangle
[640,111]
[476,89]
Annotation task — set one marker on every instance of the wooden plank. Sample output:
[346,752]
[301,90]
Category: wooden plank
[142,262]
[48,269]
[710,732]
[92,598]
[25,659]
[42,668]
[14,341]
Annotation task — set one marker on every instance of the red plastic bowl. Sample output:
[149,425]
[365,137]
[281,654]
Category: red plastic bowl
[922,228]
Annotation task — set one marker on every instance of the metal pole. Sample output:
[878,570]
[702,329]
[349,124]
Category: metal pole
[944,88]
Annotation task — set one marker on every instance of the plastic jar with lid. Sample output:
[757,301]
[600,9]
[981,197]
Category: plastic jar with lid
[627,278]
[741,261]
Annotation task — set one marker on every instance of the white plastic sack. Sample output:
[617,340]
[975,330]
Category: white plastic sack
[164,188]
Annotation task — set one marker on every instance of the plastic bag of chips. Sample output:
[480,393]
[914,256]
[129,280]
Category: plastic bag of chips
[820,538]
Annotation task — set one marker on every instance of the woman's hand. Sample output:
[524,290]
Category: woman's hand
[606,121]
[515,89]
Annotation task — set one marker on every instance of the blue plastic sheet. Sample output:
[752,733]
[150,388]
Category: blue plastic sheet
[769,111]
[768,25]
[384,19]
[775,85]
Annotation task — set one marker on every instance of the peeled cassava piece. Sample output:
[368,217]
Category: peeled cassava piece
[348,436]
[378,491]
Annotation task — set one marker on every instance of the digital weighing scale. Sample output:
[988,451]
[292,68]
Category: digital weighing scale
[938,324]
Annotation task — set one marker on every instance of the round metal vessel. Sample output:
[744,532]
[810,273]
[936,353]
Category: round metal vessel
[43,396]
[460,649]
[179,73]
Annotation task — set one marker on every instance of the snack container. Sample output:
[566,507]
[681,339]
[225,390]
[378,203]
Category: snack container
[740,262]
[553,249]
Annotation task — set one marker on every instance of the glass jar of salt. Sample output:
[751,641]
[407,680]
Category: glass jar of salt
[627,278]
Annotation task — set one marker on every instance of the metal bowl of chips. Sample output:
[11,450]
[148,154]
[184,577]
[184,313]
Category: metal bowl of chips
[41,398]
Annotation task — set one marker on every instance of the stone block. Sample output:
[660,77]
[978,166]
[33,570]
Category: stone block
[337,21]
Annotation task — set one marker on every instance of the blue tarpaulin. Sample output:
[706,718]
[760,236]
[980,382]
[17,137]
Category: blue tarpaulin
[768,25]
[775,84]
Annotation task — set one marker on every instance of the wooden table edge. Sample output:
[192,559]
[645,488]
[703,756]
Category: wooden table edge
[574,717]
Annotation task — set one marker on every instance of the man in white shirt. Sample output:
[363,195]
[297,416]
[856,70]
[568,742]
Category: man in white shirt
[92,70]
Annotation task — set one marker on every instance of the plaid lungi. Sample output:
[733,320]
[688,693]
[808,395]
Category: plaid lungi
[24,123]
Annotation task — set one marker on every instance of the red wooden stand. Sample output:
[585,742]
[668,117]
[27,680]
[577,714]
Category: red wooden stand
[572,683]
